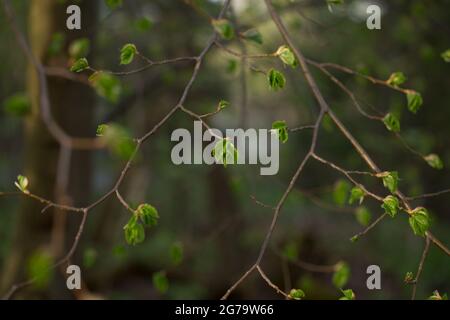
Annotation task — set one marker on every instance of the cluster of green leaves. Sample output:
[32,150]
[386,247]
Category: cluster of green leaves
[224,28]
[106,85]
[296,294]
[390,180]
[127,53]
[281,129]
[437,296]
[391,205]
[145,215]
[39,268]
[341,275]
[348,295]
[287,56]
[117,139]
[22,183]
[252,35]
[420,221]
[357,195]
[17,105]
[79,48]
[161,282]
[276,79]
[225,152]
[80,65]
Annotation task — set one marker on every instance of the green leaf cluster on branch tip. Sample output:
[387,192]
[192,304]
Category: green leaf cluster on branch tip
[390,180]
[287,56]
[106,85]
[391,122]
[225,152]
[117,139]
[79,48]
[356,195]
[434,161]
[414,99]
[39,268]
[363,216]
[276,79]
[296,294]
[224,28]
[80,65]
[17,105]
[22,183]
[127,53]
[281,129]
[222,105]
[390,205]
[160,282]
[437,296]
[348,295]
[409,278]
[253,35]
[176,253]
[113,4]
[341,275]
[144,215]
[340,192]
[446,55]
[419,220]
[396,79]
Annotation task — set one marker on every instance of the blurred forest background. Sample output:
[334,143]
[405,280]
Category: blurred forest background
[210,230]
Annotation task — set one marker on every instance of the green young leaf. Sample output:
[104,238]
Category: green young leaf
[148,214]
[113,4]
[390,205]
[281,129]
[276,79]
[224,28]
[253,35]
[223,104]
[290,251]
[225,152]
[287,56]
[409,278]
[143,24]
[17,105]
[356,195]
[446,55]
[80,65]
[107,85]
[160,282]
[340,192]
[348,295]
[396,79]
[101,129]
[419,221]
[390,180]
[437,296]
[56,43]
[341,275]
[391,122]
[22,183]
[415,100]
[39,268]
[79,48]
[176,253]
[363,216]
[117,139]
[89,257]
[332,3]
[127,53]
[134,231]
[296,294]
[232,66]
[434,161]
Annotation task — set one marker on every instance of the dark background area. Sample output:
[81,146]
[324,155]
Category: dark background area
[207,210]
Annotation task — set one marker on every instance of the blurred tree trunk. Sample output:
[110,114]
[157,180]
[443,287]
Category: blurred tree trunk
[72,105]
